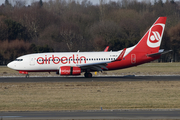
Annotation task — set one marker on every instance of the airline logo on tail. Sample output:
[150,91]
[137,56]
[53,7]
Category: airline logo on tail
[155,35]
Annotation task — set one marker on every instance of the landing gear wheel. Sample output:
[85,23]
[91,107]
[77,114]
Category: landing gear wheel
[87,75]
[27,75]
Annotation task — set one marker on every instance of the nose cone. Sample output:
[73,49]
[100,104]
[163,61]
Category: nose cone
[11,65]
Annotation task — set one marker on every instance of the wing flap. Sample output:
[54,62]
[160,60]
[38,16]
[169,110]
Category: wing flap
[95,66]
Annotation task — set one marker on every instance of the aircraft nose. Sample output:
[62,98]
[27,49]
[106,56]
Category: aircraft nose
[10,65]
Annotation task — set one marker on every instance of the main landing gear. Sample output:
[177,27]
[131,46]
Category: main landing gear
[87,75]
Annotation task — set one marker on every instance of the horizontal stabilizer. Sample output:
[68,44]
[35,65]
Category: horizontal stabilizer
[159,53]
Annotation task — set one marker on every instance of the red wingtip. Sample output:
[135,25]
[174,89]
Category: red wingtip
[121,55]
[106,49]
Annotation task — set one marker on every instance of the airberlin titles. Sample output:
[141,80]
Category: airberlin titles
[64,60]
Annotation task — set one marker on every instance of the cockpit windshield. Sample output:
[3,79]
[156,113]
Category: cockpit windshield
[18,60]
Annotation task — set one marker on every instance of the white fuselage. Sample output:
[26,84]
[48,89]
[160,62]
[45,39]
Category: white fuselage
[53,61]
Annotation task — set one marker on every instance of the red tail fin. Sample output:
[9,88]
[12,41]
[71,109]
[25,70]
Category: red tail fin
[151,41]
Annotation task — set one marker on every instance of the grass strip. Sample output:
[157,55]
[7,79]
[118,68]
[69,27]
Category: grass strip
[89,96]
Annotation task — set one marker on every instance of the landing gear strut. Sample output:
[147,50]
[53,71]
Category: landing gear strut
[87,75]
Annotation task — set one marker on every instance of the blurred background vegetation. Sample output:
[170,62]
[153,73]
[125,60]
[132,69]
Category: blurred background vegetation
[68,25]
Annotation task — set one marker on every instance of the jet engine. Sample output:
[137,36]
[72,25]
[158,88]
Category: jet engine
[67,70]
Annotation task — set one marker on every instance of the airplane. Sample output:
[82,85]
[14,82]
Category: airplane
[75,63]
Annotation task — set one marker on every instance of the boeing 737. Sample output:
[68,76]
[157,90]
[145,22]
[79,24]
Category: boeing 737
[75,63]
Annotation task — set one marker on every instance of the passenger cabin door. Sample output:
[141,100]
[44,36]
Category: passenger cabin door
[32,60]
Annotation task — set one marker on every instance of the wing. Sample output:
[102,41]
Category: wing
[95,66]
[100,66]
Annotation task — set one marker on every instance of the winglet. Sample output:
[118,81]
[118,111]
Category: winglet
[121,55]
[106,49]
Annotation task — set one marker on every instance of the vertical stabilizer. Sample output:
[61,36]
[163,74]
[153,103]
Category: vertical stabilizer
[151,41]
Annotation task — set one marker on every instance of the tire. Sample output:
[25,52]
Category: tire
[87,75]
[27,75]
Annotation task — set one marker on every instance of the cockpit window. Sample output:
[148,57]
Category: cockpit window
[18,60]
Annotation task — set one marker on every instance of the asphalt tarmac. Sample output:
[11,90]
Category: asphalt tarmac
[82,79]
[116,114]
[100,114]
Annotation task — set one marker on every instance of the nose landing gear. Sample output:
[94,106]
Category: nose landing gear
[27,75]
[24,72]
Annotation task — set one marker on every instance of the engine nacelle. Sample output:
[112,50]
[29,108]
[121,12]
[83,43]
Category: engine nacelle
[67,70]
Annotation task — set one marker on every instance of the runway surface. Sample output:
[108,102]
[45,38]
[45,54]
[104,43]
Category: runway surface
[101,114]
[82,79]
[117,114]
